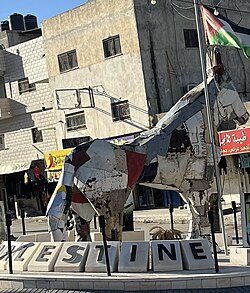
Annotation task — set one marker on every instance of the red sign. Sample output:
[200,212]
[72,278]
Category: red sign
[234,141]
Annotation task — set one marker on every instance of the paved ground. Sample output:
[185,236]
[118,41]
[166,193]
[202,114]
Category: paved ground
[39,224]
[225,290]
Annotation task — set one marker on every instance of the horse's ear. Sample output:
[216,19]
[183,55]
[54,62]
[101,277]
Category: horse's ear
[218,66]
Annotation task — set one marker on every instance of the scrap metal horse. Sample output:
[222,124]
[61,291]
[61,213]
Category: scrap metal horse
[175,154]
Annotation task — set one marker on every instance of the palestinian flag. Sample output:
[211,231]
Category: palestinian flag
[221,31]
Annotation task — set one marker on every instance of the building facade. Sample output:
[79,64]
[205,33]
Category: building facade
[106,69]
[122,64]
[27,124]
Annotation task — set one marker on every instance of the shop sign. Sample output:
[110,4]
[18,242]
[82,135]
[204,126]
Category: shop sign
[234,141]
[54,160]
[53,175]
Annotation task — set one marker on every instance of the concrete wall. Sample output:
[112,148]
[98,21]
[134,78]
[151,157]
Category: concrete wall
[168,65]
[153,71]
[120,77]
[11,38]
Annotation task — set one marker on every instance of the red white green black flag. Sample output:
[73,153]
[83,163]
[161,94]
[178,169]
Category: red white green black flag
[220,30]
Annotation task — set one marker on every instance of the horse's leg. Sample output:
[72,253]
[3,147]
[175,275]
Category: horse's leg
[111,205]
[82,228]
[57,228]
[58,213]
[192,215]
[193,222]
[114,225]
[198,202]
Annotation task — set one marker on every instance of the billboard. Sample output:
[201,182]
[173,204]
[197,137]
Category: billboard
[54,162]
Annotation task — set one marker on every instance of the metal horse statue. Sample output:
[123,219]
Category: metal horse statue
[175,154]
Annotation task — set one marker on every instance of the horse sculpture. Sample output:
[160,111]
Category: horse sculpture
[175,154]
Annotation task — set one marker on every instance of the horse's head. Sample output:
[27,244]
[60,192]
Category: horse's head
[229,105]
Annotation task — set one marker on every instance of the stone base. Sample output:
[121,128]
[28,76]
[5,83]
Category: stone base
[126,236]
[240,256]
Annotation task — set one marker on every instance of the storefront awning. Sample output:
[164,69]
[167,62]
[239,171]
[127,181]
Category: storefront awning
[13,168]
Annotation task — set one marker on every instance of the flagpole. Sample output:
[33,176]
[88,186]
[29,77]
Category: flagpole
[209,120]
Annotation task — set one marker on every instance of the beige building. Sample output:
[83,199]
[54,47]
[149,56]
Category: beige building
[104,69]
[136,59]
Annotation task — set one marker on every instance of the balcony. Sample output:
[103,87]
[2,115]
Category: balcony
[4,108]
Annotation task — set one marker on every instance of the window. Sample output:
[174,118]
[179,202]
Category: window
[111,46]
[191,38]
[67,61]
[120,110]
[75,121]
[37,135]
[24,86]
[2,145]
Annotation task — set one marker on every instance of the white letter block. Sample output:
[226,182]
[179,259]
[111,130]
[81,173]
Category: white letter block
[72,257]
[23,255]
[196,254]
[4,255]
[96,261]
[166,255]
[134,257]
[240,256]
[45,257]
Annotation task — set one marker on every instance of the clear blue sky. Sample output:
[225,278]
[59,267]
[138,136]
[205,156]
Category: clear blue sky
[43,9]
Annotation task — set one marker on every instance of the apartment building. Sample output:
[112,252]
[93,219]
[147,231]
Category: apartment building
[115,66]
[105,69]
[27,122]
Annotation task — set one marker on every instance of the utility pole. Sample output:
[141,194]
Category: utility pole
[209,120]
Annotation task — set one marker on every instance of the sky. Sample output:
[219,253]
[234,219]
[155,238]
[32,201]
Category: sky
[42,9]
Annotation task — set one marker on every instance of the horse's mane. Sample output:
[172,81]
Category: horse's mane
[187,106]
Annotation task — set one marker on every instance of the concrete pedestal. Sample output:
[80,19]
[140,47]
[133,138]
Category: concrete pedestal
[134,257]
[4,256]
[45,257]
[166,255]
[240,256]
[96,261]
[23,255]
[196,254]
[72,257]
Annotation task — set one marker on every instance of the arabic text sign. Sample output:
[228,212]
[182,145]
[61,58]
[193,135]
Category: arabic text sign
[234,141]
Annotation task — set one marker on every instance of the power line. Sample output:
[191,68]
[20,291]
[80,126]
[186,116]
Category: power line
[182,7]
[213,6]
[188,18]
